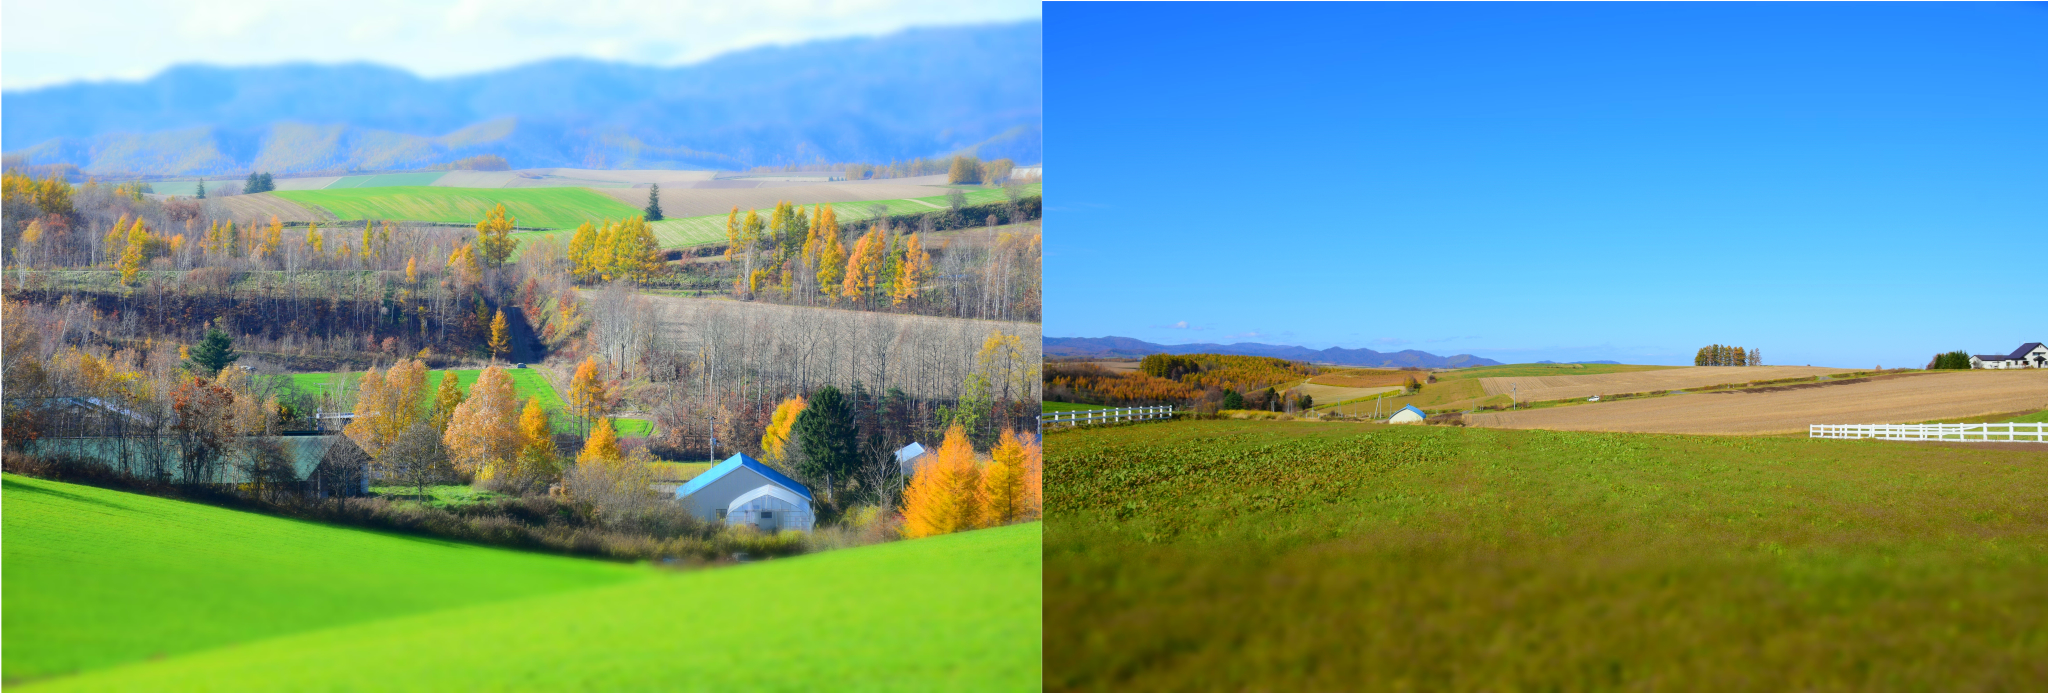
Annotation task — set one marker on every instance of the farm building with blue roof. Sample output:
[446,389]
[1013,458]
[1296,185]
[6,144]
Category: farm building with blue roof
[1408,414]
[742,491]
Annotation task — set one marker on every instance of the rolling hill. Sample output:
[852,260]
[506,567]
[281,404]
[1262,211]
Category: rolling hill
[140,593]
[917,93]
[1126,347]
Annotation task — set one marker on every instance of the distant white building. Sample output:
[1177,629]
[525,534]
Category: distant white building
[912,455]
[2029,355]
[1408,414]
[742,491]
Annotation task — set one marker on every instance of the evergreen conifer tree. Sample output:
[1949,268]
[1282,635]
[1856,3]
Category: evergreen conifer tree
[826,434]
[654,202]
[213,353]
[202,190]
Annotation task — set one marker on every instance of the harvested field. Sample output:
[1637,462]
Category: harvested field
[1516,370]
[1325,394]
[1537,388]
[696,202]
[263,206]
[1896,399]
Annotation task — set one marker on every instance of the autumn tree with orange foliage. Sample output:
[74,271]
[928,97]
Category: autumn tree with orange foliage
[775,440]
[587,395]
[483,436]
[603,446]
[386,404]
[944,496]
[1007,486]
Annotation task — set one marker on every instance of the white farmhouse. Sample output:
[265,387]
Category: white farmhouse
[1408,414]
[742,491]
[2029,355]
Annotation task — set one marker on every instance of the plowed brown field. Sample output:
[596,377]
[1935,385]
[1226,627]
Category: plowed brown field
[263,206]
[696,202]
[1531,389]
[1902,399]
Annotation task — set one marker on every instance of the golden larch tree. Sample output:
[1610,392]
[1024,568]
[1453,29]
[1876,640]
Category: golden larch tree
[494,237]
[603,446]
[134,252]
[537,454]
[483,435]
[775,440]
[912,273]
[446,398]
[864,265]
[1006,488]
[501,335]
[587,396]
[313,241]
[944,495]
[387,403]
[580,245]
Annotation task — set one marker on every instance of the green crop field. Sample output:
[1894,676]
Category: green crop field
[554,208]
[710,229]
[97,578]
[1519,370]
[1269,555]
[141,593]
[526,382]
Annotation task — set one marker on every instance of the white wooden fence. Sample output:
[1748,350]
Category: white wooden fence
[1102,416]
[2009,432]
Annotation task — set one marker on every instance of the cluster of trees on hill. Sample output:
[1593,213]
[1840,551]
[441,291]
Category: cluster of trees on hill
[1954,360]
[806,257]
[962,169]
[1201,381]
[1720,355]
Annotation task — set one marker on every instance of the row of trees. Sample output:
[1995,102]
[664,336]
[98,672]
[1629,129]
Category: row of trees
[621,251]
[1720,355]
[1954,360]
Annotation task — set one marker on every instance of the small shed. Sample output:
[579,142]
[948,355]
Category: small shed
[1408,415]
[912,455]
[743,491]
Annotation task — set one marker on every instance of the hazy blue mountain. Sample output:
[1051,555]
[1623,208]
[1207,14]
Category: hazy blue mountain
[1126,347]
[917,93]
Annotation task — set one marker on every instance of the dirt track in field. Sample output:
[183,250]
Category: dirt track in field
[1538,388]
[1906,399]
[697,202]
[262,206]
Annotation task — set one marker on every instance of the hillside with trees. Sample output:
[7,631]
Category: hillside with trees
[1205,382]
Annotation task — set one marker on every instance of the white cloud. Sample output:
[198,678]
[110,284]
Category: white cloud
[45,42]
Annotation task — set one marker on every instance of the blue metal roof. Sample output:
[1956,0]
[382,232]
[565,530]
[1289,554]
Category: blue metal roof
[1418,412]
[732,464]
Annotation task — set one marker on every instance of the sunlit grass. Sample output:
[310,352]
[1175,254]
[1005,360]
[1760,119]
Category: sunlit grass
[1257,555]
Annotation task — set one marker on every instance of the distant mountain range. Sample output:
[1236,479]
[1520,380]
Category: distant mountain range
[1126,347]
[918,93]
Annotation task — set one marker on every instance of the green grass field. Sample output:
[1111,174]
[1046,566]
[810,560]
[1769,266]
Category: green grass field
[554,208]
[95,578]
[386,180]
[141,593]
[526,382]
[708,230]
[1268,555]
[1069,406]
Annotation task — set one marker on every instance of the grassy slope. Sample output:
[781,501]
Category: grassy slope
[959,612]
[533,207]
[526,382]
[1249,555]
[95,578]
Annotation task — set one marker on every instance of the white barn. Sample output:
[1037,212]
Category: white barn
[2029,355]
[742,491]
[912,455]
[1408,414]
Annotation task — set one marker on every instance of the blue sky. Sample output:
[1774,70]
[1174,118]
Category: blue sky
[44,42]
[1836,184]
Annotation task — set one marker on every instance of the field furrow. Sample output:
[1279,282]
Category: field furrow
[1902,399]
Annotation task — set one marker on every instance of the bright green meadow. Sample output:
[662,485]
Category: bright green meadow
[104,582]
[553,208]
[96,578]
[1241,555]
[526,382]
